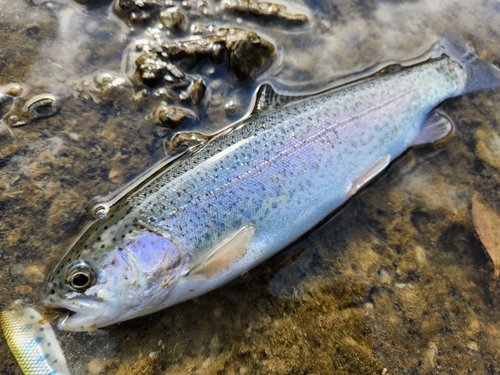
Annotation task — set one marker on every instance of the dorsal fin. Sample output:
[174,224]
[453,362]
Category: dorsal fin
[267,98]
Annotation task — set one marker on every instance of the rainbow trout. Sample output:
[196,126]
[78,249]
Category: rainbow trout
[246,194]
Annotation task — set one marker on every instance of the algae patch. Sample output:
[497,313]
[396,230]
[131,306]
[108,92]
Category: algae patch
[323,331]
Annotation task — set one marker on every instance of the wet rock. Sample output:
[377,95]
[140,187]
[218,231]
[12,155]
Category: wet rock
[173,70]
[137,10]
[94,3]
[247,52]
[138,4]
[17,269]
[24,289]
[96,366]
[182,141]
[215,344]
[173,19]
[230,106]
[191,52]
[264,10]
[105,82]
[117,174]
[488,146]
[175,78]
[471,345]
[14,121]
[202,29]
[74,136]
[40,106]
[196,91]
[34,273]
[151,68]
[14,90]
[18,124]
[193,8]
[174,117]
[104,86]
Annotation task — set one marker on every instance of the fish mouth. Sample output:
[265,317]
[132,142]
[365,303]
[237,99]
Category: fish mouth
[76,321]
[74,316]
[50,313]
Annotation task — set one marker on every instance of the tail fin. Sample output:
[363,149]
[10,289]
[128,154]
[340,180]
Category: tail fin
[480,74]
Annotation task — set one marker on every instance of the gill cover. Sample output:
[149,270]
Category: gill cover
[153,254]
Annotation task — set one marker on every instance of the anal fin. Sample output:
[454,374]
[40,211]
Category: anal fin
[372,171]
[435,127]
[225,254]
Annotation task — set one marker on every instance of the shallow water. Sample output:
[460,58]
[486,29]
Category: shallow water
[397,280]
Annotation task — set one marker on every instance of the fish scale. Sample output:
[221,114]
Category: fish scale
[336,132]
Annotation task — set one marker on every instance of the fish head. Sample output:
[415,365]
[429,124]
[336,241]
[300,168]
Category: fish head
[124,272]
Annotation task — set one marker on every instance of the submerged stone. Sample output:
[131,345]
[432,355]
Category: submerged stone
[247,52]
[173,117]
[197,91]
[41,106]
[264,10]
[173,19]
[184,140]
[150,68]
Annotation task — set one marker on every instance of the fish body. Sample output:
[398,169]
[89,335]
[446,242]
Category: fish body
[248,193]
[32,342]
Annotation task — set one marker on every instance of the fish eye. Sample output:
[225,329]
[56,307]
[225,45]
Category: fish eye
[79,280]
[80,276]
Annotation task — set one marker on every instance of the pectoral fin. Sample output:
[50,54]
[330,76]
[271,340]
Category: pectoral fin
[225,254]
[372,171]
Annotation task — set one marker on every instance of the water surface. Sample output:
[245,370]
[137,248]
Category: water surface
[397,280]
